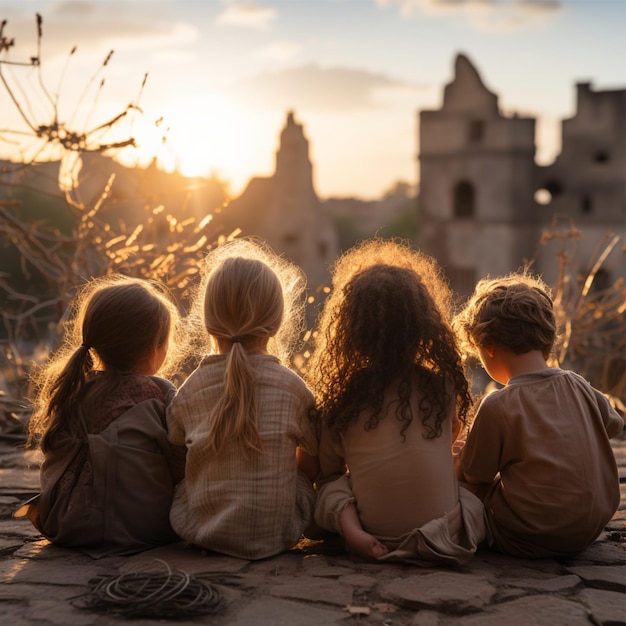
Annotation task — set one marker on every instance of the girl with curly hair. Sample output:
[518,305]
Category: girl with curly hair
[391,397]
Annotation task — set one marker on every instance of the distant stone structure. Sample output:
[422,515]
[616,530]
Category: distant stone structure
[478,182]
[285,210]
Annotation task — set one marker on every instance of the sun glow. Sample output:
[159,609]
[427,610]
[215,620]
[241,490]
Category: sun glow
[200,138]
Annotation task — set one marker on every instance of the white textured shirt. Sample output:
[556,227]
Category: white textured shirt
[246,507]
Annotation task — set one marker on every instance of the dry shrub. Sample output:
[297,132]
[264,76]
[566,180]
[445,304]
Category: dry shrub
[591,313]
[111,230]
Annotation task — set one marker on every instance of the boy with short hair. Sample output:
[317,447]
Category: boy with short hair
[538,453]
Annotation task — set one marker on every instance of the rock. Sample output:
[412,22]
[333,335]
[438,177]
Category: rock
[459,593]
[318,590]
[608,577]
[531,611]
[272,612]
[607,607]
[557,583]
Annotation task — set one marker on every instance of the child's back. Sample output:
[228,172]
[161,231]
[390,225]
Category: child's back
[400,482]
[539,452]
[251,507]
[243,415]
[111,493]
[109,472]
[389,382]
[547,435]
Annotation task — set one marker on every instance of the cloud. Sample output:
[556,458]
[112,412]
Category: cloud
[74,9]
[92,26]
[281,50]
[489,15]
[541,7]
[322,89]
[247,15]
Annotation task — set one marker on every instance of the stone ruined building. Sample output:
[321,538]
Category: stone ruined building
[285,210]
[587,182]
[478,179]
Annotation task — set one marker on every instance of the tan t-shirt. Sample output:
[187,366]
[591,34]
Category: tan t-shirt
[399,485]
[542,443]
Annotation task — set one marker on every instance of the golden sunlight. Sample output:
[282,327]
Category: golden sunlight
[196,138]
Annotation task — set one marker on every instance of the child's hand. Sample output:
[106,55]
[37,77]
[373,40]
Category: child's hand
[457,446]
[459,437]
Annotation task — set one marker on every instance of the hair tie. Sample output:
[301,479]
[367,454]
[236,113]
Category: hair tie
[236,339]
[83,346]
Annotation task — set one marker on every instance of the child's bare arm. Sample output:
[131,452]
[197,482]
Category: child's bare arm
[462,476]
[310,465]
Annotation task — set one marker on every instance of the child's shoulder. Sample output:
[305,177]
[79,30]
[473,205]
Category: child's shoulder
[274,373]
[275,368]
[211,366]
[553,376]
[135,389]
[166,387]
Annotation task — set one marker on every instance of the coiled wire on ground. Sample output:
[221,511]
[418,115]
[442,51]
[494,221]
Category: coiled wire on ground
[174,594]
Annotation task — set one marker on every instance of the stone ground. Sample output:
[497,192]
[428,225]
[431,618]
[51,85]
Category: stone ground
[316,583]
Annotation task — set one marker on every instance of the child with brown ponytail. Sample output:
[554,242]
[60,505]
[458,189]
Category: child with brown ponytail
[109,472]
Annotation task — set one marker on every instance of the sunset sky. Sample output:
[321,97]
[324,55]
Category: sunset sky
[223,74]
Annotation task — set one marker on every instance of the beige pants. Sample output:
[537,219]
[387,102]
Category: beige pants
[452,538]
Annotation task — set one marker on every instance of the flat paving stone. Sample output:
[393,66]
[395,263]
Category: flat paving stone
[319,566]
[609,577]
[18,528]
[532,611]
[28,571]
[317,583]
[9,545]
[605,553]
[360,580]
[43,549]
[317,590]
[24,592]
[52,612]
[281,565]
[18,479]
[273,612]
[607,607]
[181,556]
[427,618]
[445,591]
[13,614]
[557,583]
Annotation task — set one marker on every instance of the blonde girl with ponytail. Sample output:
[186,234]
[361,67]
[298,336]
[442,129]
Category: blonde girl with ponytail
[243,413]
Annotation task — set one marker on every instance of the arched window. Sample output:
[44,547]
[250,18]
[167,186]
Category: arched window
[601,156]
[476,131]
[464,199]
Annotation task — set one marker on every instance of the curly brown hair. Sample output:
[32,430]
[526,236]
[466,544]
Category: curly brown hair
[386,322]
[515,311]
